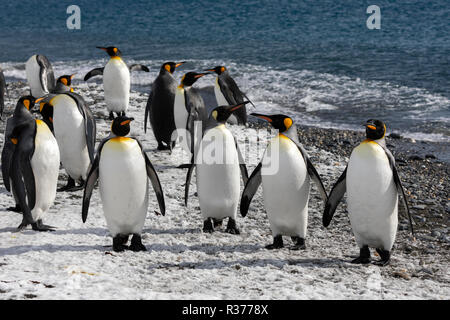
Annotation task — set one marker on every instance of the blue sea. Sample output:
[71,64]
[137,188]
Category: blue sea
[314,60]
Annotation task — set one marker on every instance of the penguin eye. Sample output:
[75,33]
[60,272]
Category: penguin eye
[287,122]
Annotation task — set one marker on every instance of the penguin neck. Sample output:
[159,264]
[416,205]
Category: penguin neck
[381,141]
[116,58]
[291,133]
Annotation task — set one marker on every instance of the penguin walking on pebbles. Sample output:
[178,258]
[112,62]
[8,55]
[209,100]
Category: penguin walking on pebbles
[159,108]
[218,163]
[122,168]
[34,168]
[116,81]
[373,185]
[285,173]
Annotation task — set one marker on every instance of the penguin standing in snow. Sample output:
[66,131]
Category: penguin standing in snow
[159,108]
[22,114]
[75,130]
[122,168]
[40,75]
[227,92]
[373,185]
[116,81]
[218,185]
[34,168]
[2,92]
[285,172]
[188,108]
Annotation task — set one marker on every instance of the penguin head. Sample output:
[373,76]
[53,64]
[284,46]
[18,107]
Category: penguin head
[375,129]
[121,126]
[219,70]
[112,51]
[279,121]
[189,78]
[27,101]
[66,80]
[222,113]
[171,66]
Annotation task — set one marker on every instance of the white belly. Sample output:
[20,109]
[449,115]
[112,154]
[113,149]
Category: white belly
[32,70]
[372,197]
[45,165]
[285,188]
[218,174]
[116,83]
[123,186]
[68,124]
[180,116]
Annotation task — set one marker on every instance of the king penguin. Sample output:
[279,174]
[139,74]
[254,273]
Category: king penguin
[122,168]
[285,172]
[373,186]
[75,130]
[188,108]
[116,81]
[2,92]
[159,108]
[218,185]
[40,76]
[34,169]
[227,92]
[63,84]
[22,114]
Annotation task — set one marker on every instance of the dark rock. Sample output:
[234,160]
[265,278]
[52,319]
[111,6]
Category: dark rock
[415,157]
[430,156]
[419,207]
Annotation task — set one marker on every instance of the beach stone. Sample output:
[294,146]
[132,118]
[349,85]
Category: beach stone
[430,156]
[394,135]
[435,234]
[415,157]
[419,207]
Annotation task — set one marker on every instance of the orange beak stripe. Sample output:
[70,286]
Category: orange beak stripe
[125,122]
[371,127]
[265,118]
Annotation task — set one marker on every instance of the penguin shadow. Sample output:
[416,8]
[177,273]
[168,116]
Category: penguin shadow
[251,263]
[171,231]
[205,248]
[51,248]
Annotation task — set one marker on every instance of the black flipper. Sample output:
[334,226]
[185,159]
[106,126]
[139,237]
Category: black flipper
[250,189]
[91,179]
[138,67]
[399,186]
[334,198]
[242,165]
[7,153]
[21,172]
[188,182]
[313,174]
[46,75]
[2,92]
[93,73]
[147,110]
[153,176]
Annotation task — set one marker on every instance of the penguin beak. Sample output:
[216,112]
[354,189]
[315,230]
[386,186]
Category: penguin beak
[262,116]
[126,121]
[370,125]
[212,70]
[200,75]
[179,64]
[102,48]
[72,75]
[38,100]
[237,106]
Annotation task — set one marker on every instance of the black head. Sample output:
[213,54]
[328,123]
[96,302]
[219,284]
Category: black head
[121,126]
[65,80]
[190,78]
[222,113]
[219,69]
[171,66]
[278,121]
[27,101]
[112,51]
[375,129]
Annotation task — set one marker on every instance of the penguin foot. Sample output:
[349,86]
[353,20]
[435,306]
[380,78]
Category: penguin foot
[231,227]
[70,184]
[111,116]
[299,243]
[39,226]
[208,226]
[385,258]
[119,243]
[22,226]
[17,208]
[277,243]
[364,256]
[136,244]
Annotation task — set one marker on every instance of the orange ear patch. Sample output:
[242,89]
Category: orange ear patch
[167,67]
[64,81]
[287,122]
[26,103]
[14,140]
